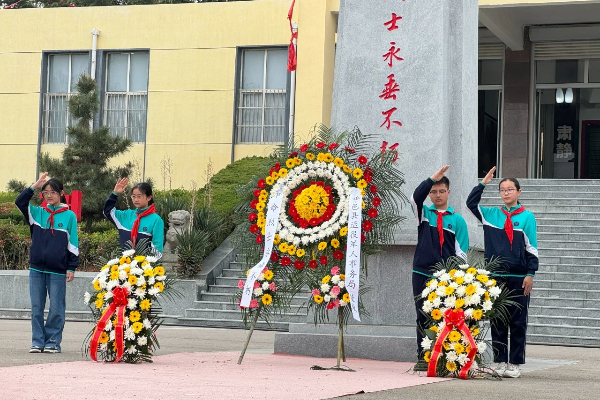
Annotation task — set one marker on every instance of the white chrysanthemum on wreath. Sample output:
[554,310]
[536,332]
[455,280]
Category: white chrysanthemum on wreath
[129,253]
[426,343]
[481,347]
[451,356]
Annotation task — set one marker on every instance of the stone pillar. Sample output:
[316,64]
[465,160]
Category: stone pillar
[515,117]
[437,106]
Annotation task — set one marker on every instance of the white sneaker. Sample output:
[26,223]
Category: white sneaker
[501,368]
[512,371]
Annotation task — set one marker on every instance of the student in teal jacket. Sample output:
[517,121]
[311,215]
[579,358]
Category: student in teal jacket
[134,225]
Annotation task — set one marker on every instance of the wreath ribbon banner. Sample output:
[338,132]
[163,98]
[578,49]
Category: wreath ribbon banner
[117,307]
[353,254]
[274,209]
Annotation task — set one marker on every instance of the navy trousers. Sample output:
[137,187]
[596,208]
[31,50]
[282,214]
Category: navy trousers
[419,281]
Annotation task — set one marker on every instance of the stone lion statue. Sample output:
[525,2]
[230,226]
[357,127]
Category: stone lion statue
[179,221]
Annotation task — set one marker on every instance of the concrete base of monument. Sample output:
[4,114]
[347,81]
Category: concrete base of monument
[375,342]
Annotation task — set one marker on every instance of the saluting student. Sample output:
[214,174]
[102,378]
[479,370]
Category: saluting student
[442,233]
[510,233]
[143,222]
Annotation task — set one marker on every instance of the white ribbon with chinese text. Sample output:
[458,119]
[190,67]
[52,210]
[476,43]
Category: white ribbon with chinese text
[353,251]
[273,210]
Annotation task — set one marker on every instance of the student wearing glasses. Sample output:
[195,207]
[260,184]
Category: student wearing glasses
[134,225]
[510,234]
[442,233]
[53,258]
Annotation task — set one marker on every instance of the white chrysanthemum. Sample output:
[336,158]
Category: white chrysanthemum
[441,291]
[103,346]
[261,277]
[483,272]
[464,266]
[490,282]
[142,341]
[147,323]
[437,274]
[87,297]
[257,292]
[450,301]
[495,291]
[425,292]
[151,280]
[436,302]
[426,343]
[462,358]
[487,305]
[432,283]
[127,286]
[136,271]
[108,295]
[140,293]
[129,334]
[132,304]
[325,288]
[112,262]
[327,298]
[343,303]
[153,291]
[481,347]
[111,336]
[445,277]
[112,284]
[460,291]
[265,285]
[103,284]
[122,274]
[129,253]
[160,278]
[476,299]
[151,259]
[480,291]
[335,279]
[296,242]
[469,312]
[342,284]
[451,356]
[469,278]
[131,350]
[460,273]
[453,285]
[108,326]
[427,306]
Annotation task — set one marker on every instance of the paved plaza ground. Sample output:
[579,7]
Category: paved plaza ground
[201,363]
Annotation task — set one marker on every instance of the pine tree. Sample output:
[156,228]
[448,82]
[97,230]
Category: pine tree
[85,161]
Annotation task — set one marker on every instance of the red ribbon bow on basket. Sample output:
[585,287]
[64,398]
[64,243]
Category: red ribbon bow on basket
[454,319]
[117,306]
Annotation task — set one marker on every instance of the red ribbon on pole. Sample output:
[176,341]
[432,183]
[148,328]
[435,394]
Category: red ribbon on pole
[117,306]
[292,55]
[453,319]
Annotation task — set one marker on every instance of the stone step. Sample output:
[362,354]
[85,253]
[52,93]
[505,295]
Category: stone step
[546,259]
[543,193]
[555,284]
[237,323]
[560,321]
[564,330]
[227,298]
[575,245]
[563,340]
[217,305]
[574,222]
[568,237]
[569,252]
[234,273]
[563,312]
[568,276]
[555,301]
[571,268]
[237,314]
[223,289]
[567,293]
[574,229]
[560,214]
[566,203]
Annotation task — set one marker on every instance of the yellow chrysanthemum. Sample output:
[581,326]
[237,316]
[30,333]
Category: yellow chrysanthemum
[491,283]
[291,250]
[446,346]
[342,277]
[344,231]
[276,239]
[266,299]
[471,271]
[114,268]
[452,272]
[137,327]
[486,296]
[427,356]
[149,272]
[247,272]
[432,296]
[431,284]
[318,299]
[335,243]
[159,286]
[322,246]
[328,157]
[475,331]
[321,157]
[471,289]
[101,295]
[300,253]
[123,260]
[451,366]
[362,193]
[436,314]
[346,297]
[283,247]
[454,336]
[442,284]
[105,267]
[460,280]
[459,348]
[357,173]
[290,162]
[338,162]
[97,285]
[114,275]
[297,160]
[135,316]
[145,304]
[434,328]
[460,303]
[139,259]
[269,180]
[477,314]
[127,269]
[361,184]
[310,156]
[260,206]
[268,274]
[103,337]
[159,271]
[312,202]
[326,279]
[449,290]
[482,278]
[283,173]
[98,303]
[347,169]
[132,279]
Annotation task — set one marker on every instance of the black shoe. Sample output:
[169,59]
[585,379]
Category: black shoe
[35,349]
[421,366]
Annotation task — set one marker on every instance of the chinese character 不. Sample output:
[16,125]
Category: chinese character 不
[392,54]
[564,132]
[390,89]
[393,23]
[388,118]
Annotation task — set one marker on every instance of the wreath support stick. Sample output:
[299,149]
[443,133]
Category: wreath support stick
[254,321]
[341,353]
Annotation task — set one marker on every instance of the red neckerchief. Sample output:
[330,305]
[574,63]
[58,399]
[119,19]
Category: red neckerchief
[508,225]
[440,226]
[51,217]
[136,224]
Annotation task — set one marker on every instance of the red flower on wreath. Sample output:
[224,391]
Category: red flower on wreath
[293,154]
[257,193]
[350,150]
[261,183]
[376,201]
[252,217]
[298,264]
[362,238]
[303,148]
[373,213]
[367,226]
[362,160]
[373,189]
[259,239]
[338,254]
[323,260]
[285,261]
[321,145]
[312,264]
[253,204]
[254,229]
[277,167]
[274,257]
[333,146]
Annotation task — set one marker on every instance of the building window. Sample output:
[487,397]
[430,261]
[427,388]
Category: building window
[126,95]
[63,72]
[489,113]
[261,108]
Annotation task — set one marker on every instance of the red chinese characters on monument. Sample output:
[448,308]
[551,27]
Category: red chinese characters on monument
[391,87]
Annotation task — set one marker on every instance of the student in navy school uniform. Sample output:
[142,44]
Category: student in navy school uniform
[510,233]
[143,222]
[442,233]
[53,257]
